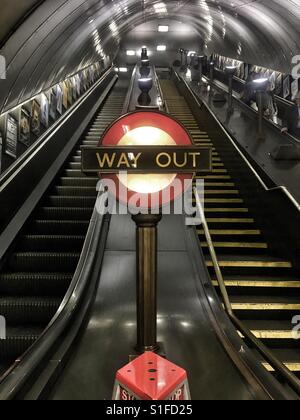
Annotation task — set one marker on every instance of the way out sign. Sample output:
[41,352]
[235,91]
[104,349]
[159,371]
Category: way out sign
[146,159]
[154,150]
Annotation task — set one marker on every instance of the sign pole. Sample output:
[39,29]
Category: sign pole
[146,239]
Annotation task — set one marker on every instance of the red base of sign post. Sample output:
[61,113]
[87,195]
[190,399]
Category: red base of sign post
[151,377]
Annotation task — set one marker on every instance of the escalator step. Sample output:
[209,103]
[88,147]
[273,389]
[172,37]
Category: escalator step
[266,308]
[59,227]
[73,165]
[65,213]
[18,340]
[75,191]
[76,159]
[74,173]
[59,201]
[35,284]
[28,310]
[251,265]
[46,261]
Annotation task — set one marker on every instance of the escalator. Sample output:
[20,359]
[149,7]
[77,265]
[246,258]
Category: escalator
[261,277]
[40,266]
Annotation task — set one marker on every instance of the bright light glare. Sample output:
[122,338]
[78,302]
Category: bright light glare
[123,69]
[149,183]
[145,80]
[161,48]
[163,28]
[130,53]
[260,81]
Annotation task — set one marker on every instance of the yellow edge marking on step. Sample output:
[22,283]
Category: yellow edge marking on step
[237,245]
[276,334]
[223,200]
[230,232]
[259,283]
[293,367]
[228,220]
[266,307]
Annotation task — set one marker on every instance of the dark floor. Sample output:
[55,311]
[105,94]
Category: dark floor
[183,326]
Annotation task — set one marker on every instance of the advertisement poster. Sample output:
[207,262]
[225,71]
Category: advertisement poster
[273,80]
[78,83]
[36,118]
[25,127]
[246,72]
[242,71]
[44,111]
[11,136]
[286,87]
[53,104]
[74,89]
[82,82]
[70,91]
[59,99]
[65,90]
[86,79]
[278,89]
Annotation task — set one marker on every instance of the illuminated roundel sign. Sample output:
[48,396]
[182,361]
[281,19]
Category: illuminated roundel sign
[146,154]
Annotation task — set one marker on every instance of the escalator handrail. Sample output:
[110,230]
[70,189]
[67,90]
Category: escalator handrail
[12,383]
[281,188]
[278,366]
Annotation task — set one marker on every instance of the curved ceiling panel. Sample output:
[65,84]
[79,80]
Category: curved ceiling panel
[51,39]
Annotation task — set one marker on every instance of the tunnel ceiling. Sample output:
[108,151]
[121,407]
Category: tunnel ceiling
[45,41]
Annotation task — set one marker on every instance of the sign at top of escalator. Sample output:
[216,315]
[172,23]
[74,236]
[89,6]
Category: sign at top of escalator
[146,152]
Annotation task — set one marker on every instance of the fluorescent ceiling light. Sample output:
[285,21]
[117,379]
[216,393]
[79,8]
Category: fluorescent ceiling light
[163,28]
[130,53]
[123,69]
[161,48]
